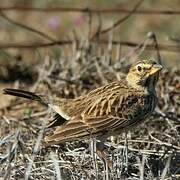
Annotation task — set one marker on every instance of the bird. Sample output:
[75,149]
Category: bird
[105,111]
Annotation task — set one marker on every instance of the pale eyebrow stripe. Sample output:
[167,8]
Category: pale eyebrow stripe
[144,66]
[147,66]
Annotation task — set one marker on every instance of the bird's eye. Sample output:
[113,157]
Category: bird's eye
[139,68]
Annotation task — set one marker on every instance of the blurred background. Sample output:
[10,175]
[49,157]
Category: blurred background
[60,24]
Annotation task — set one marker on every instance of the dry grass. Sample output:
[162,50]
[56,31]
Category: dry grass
[153,147]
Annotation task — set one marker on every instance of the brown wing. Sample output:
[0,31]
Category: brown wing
[97,113]
[76,106]
[114,111]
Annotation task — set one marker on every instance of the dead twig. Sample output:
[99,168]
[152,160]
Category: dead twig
[154,38]
[120,21]
[30,45]
[26,27]
[114,10]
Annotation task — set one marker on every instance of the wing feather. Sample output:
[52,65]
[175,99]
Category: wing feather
[107,115]
[102,110]
[67,130]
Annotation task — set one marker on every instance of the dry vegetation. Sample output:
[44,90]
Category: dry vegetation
[153,147]
[149,151]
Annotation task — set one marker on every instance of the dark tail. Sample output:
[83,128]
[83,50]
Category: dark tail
[23,94]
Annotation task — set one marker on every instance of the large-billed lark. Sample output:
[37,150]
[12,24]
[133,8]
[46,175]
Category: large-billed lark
[105,111]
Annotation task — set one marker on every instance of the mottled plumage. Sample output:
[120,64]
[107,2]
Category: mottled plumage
[105,111]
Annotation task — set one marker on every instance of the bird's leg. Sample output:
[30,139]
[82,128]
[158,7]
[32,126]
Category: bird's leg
[102,152]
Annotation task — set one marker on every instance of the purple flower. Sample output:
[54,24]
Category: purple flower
[53,23]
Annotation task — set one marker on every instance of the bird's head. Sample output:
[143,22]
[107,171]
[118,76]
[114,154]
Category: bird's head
[144,75]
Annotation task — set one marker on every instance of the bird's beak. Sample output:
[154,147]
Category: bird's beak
[155,68]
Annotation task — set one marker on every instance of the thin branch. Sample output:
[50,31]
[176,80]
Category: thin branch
[120,21]
[30,45]
[26,27]
[97,33]
[92,10]
[153,37]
